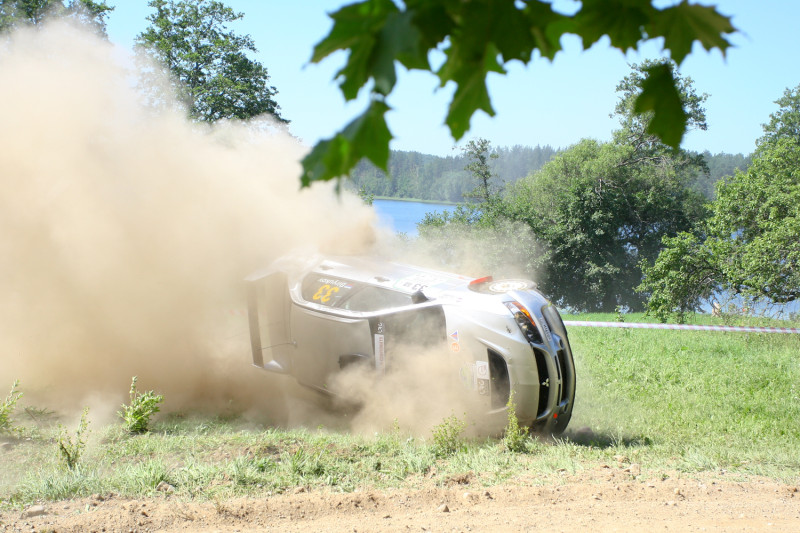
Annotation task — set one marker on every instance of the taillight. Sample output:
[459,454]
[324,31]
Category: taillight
[525,321]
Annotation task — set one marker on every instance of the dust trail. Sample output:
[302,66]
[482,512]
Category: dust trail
[125,232]
[423,387]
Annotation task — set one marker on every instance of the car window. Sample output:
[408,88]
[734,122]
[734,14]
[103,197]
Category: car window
[327,290]
[351,295]
[375,299]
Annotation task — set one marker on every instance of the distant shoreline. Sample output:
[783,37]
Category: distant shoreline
[415,200]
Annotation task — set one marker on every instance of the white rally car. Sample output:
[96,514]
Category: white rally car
[313,317]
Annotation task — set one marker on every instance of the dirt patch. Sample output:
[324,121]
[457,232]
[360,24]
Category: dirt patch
[604,499]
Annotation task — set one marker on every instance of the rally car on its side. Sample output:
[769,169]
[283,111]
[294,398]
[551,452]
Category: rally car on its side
[315,316]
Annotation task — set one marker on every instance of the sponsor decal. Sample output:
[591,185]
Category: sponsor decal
[455,347]
[454,336]
[482,369]
[335,282]
[380,354]
[417,282]
[325,293]
[545,327]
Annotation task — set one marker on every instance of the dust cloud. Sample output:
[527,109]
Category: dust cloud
[125,233]
[422,389]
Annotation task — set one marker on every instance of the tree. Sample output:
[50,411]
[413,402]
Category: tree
[755,227]
[479,153]
[599,209]
[636,127]
[14,13]
[481,36]
[785,122]
[209,62]
[752,234]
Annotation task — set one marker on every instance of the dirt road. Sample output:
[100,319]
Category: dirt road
[604,499]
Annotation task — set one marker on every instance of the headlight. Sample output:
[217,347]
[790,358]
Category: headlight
[525,321]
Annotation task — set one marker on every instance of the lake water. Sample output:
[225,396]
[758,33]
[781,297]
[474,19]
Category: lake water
[404,216]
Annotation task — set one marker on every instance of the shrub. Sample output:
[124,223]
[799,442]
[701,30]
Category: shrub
[446,439]
[515,435]
[142,407]
[71,448]
[8,406]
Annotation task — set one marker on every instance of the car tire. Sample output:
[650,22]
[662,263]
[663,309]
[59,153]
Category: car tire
[502,286]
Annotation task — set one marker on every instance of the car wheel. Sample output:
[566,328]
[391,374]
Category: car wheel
[503,286]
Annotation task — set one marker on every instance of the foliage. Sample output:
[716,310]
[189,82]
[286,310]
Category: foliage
[636,125]
[720,166]
[366,197]
[447,436]
[598,209]
[681,279]
[142,407]
[14,13]
[71,447]
[751,236]
[7,408]
[756,222]
[785,122]
[208,61]
[479,153]
[431,177]
[482,36]
[515,436]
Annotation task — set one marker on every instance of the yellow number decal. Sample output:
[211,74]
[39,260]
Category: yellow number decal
[324,293]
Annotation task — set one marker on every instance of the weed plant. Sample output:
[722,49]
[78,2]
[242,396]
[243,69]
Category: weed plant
[515,436]
[7,408]
[143,406]
[447,436]
[71,446]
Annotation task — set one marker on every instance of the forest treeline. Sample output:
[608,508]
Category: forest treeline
[445,179]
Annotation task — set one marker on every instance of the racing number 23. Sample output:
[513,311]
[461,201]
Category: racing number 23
[324,293]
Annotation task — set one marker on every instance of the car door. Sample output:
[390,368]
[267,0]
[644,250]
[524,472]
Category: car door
[323,340]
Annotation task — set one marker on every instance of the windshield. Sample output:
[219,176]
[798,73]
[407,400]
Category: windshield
[351,295]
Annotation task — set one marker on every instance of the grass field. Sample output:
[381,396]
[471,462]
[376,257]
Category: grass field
[673,402]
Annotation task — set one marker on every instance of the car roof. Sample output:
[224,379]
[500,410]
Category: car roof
[397,276]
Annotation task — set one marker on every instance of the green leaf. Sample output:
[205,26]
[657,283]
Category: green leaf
[356,28]
[547,27]
[351,24]
[685,23]
[471,93]
[660,96]
[376,34]
[366,136]
[622,20]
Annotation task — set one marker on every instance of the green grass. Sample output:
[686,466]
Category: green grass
[675,402]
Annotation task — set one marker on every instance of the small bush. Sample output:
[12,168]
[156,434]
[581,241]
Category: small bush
[7,407]
[446,435]
[71,448]
[142,407]
[515,435]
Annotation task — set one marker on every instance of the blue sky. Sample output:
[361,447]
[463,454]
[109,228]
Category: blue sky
[556,103]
